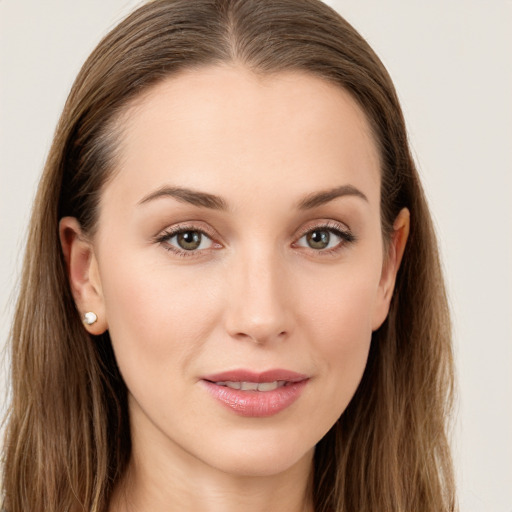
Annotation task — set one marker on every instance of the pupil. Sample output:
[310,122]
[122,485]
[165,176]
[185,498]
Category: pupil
[189,240]
[318,239]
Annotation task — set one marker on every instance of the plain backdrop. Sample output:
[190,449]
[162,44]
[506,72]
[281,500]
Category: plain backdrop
[451,63]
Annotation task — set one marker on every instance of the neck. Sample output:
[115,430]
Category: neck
[162,477]
[177,492]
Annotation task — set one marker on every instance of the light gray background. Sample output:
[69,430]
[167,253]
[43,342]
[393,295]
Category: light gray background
[451,63]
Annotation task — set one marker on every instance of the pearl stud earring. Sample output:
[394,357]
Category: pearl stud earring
[90,318]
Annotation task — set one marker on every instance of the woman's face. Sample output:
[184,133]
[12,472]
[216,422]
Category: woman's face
[238,265]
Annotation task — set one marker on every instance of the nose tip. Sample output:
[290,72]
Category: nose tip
[258,308]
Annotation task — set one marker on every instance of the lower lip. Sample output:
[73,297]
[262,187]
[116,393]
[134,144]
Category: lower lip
[257,404]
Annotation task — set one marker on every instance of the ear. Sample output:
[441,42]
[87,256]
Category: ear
[83,273]
[390,266]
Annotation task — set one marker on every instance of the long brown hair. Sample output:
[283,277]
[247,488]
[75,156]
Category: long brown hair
[68,435]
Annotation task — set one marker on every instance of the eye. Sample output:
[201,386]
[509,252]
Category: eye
[190,240]
[325,238]
[185,241]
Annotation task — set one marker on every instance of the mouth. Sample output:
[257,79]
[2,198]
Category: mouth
[253,394]
[253,386]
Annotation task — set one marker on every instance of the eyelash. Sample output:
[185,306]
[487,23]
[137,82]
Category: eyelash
[346,236]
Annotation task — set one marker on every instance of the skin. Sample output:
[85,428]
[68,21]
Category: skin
[255,294]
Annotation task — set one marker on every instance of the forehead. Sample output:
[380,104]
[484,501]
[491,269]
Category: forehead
[225,127]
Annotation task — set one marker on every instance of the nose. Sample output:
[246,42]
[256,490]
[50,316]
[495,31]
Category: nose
[259,300]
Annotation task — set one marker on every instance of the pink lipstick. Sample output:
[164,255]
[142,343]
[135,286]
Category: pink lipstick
[253,394]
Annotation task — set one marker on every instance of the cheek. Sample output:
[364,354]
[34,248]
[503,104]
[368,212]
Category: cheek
[158,318]
[339,321]
[340,304]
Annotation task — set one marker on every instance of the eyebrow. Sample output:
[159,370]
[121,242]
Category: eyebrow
[205,200]
[187,195]
[319,198]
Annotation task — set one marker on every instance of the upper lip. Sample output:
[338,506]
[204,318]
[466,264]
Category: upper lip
[242,375]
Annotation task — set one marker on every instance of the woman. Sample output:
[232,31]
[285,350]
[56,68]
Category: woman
[231,296]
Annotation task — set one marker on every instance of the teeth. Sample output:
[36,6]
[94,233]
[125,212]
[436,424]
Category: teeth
[267,386]
[253,386]
[249,386]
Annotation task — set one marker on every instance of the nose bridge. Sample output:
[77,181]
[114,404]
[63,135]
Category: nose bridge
[258,297]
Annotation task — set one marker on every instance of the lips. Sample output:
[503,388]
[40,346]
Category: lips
[254,394]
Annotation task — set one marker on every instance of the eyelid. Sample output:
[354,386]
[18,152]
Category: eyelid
[327,224]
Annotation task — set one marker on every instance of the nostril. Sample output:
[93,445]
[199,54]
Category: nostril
[261,337]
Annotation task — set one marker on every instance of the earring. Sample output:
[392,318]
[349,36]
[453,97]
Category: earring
[90,318]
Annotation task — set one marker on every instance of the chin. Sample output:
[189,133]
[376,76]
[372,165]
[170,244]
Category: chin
[262,455]
[266,464]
